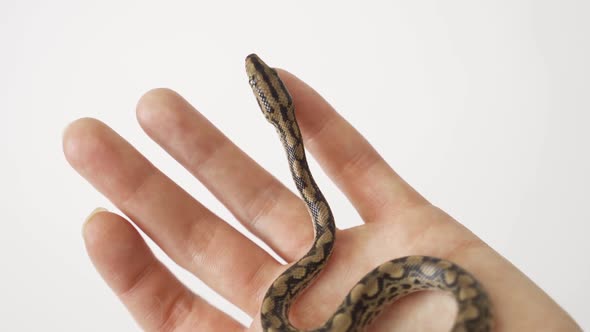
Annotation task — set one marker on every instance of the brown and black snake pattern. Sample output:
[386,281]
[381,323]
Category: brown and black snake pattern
[386,283]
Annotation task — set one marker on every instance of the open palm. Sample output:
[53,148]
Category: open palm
[398,222]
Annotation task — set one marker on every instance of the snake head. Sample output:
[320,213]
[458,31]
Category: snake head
[270,92]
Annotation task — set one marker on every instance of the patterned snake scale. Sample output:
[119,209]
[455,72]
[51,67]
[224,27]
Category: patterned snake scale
[386,283]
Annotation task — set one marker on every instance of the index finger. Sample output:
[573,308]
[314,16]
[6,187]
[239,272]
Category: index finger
[370,184]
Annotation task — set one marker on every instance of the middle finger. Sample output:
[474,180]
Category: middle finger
[256,198]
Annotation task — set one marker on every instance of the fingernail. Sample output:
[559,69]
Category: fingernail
[95,211]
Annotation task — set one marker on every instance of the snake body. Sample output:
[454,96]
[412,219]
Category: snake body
[386,283]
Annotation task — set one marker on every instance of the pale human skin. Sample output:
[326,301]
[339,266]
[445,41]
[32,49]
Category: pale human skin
[398,221]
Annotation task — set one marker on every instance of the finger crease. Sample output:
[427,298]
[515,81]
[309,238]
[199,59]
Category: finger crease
[125,202]
[177,312]
[198,246]
[198,161]
[358,164]
[311,137]
[261,204]
[255,281]
[139,279]
[462,246]
[387,209]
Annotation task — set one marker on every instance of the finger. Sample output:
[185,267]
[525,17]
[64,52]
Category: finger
[257,199]
[156,299]
[188,232]
[350,161]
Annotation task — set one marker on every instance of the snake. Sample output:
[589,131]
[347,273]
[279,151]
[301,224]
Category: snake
[382,286]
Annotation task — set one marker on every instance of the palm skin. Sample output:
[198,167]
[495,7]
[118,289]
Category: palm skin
[397,222]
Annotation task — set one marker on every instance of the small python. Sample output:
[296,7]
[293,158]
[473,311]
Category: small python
[386,283]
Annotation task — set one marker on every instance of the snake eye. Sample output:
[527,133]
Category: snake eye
[253,81]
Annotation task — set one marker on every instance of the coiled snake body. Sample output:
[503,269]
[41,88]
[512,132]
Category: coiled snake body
[386,283]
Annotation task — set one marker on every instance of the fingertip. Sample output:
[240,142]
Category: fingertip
[308,102]
[283,72]
[288,77]
[154,103]
[91,216]
[105,233]
[81,138]
[114,246]
[98,226]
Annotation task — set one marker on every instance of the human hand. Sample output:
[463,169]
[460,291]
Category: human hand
[397,222]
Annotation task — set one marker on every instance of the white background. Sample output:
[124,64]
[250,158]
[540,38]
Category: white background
[483,107]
